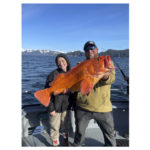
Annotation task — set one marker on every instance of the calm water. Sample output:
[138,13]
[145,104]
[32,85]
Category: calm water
[35,69]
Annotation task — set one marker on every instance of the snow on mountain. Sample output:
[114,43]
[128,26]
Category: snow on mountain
[38,52]
[51,52]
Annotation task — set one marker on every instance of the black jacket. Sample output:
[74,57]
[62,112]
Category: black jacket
[60,102]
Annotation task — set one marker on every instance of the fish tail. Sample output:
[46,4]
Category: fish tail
[43,96]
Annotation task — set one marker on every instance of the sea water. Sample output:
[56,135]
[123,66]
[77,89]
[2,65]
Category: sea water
[35,69]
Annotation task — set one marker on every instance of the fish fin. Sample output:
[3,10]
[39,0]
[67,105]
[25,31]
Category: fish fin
[75,87]
[86,86]
[57,92]
[43,96]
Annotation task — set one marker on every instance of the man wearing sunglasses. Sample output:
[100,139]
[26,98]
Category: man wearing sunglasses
[96,105]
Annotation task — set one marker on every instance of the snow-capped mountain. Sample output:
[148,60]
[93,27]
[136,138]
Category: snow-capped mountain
[50,52]
[39,52]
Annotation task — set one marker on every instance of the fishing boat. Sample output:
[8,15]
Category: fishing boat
[35,127]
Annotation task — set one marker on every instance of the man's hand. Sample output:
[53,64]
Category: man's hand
[53,113]
[106,76]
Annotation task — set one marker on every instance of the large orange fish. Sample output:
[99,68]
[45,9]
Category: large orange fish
[81,78]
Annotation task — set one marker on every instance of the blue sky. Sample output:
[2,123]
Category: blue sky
[67,27]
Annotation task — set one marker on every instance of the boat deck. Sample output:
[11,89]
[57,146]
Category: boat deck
[93,137]
[35,130]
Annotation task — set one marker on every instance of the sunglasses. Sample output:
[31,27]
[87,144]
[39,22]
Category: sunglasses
[90,48]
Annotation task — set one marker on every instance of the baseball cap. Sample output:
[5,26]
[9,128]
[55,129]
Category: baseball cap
[89,43]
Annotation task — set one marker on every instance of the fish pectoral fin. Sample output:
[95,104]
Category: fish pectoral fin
[86,86]
[75,87]
[43,96]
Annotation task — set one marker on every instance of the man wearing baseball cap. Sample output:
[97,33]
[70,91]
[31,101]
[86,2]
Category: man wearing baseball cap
[96,105]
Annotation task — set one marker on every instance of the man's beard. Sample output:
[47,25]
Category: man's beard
[92,56]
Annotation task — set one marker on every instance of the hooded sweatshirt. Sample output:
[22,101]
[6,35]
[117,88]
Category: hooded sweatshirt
[60,102]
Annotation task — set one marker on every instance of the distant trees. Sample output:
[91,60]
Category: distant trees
[116,53]
[111,52]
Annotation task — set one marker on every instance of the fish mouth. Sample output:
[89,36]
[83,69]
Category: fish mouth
[108,64]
